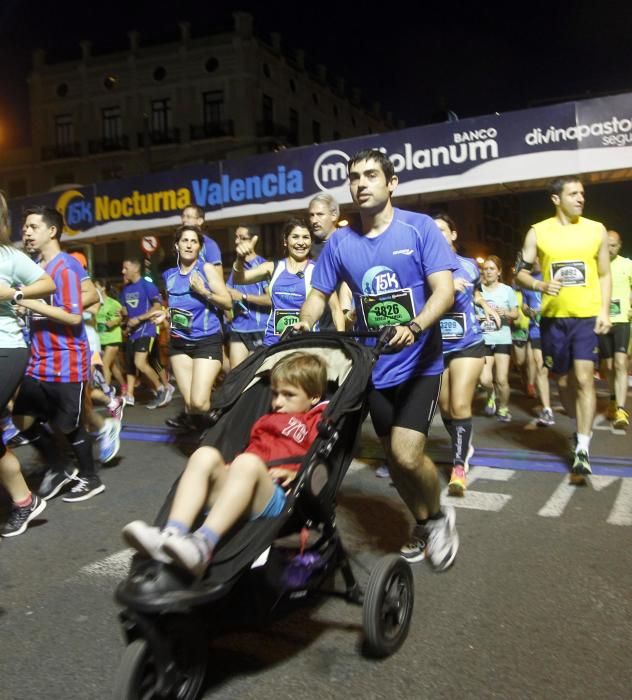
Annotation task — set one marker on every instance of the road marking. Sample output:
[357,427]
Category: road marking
[114,566]
[554,507]
[478,500]
[621,513]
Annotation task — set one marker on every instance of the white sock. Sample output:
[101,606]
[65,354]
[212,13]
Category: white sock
[583,443]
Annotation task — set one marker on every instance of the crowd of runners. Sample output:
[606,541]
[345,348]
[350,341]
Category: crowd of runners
[75,350]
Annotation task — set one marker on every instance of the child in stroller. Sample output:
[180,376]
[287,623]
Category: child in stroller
[249,486]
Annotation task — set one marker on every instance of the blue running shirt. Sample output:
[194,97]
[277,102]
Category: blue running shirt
[459,326]
[288,291]
[138,298]
[387,276]
[247,317]
[191,316]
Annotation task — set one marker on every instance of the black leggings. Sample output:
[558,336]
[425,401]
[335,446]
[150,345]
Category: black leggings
[13,362]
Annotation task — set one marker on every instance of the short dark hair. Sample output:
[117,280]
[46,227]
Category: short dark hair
[198,210]
[556,186]
[445,217]
[51,217]
[134,259]
[195,229]
[373,154]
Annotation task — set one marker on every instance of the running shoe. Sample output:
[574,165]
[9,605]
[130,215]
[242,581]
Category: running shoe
[84,489]
[383,472]
[490,406]
[443,540]
[147,540]
[415,550]
[503,415]
[9,431]
[179,421]
[611,411]
[20,517]
[116,408]
[572,447]
[54,481]
[621,419]
[456,487]
[129,400]
[190,552]
[581,468]
[546,417]
[170,390]
[18,441]
[158,400]
[109,440]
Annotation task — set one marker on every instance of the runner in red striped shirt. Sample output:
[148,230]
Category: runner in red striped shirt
[58,371]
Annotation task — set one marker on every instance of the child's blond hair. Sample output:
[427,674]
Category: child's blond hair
[304,370]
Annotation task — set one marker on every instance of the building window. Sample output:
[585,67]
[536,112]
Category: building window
[294,128]
[213,107]
[160,73]
[64,131]
[267,108]
[160,116]
[62,90]
[112,124]
[314,98]
[63,179]
[292,85]
[316,131]
[211,65]
[266,70]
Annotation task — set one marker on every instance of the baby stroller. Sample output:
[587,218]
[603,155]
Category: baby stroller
[262,567]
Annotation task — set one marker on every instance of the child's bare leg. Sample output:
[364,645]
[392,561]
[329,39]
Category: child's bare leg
[204,476]
[246,490]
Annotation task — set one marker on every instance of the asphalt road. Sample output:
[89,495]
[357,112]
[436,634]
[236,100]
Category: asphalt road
[538,604]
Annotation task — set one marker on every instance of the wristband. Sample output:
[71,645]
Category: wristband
[415,329]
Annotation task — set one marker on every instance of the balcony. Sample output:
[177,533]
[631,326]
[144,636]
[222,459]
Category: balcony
[159,138]
[62,150]
[120,143]
[212,130]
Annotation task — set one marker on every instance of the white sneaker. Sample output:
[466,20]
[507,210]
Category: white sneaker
[443,540]
[168,395]
[190,552]
[147,540]
[415,550]
[470,454]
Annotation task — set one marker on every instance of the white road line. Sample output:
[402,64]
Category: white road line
[621,513]
[555,506]
[478,500]
[114,566]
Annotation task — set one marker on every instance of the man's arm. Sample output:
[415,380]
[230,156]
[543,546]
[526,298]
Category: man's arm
[312,309]
[56,313]
[133,321]
[89,294]
[524,265]
[603,323]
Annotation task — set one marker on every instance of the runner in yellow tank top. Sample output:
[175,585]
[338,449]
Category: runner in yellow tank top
[575,286]
[614,345]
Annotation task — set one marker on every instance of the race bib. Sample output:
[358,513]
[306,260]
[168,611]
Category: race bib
[283,318]
[181,319]
[453,326]
[394,308]
[615,307]
[488,326]
[570,273]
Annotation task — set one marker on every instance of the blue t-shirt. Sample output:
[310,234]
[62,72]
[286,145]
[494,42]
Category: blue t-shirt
[387,276]
[288,290]
[192,317]
[138,298]
[503,298]
[210,252]
[533,300]
[247,317]
[459,327]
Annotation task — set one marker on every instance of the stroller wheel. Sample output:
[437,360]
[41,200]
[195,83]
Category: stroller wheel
[137,677]
[388,606]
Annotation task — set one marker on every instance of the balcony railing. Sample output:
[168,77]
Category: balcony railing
[120,143]
[211,130]
[62,150]
[159,138]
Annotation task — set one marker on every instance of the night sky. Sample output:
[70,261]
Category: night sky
[417,60]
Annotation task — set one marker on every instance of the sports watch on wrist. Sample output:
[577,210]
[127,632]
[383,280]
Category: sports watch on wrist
[415,329]
[18,295]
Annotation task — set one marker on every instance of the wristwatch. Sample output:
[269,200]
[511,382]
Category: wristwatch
[244,298]
[17,296]
[415,329]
